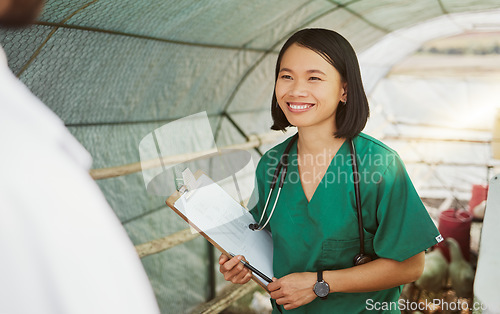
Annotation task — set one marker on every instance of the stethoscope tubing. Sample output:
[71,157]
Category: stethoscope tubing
[283,162]
[272,210]
[357,194]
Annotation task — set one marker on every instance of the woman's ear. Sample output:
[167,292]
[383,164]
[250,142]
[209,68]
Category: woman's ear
[344,92]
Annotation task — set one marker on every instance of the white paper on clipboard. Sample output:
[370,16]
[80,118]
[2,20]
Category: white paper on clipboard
[226,222]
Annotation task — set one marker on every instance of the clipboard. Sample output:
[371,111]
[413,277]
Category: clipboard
[221,220]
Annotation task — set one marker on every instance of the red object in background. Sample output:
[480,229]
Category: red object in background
[479,194]
[455,224]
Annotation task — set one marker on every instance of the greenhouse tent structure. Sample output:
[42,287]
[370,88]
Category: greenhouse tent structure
[116,71]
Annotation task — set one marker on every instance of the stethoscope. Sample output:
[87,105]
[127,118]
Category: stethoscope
[361,257]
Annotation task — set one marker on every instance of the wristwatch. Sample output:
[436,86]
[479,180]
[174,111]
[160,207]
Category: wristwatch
[321,287]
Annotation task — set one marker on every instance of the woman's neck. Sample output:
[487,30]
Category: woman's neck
[318,140]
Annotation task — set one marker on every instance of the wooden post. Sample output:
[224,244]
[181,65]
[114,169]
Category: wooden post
[159,245]
[111,172]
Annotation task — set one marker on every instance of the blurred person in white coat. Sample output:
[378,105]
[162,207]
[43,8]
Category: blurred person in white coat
[62,248]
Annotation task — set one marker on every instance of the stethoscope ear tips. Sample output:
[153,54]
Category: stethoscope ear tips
[253,226]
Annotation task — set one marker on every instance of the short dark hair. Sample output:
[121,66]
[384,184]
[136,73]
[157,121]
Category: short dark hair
[350,118]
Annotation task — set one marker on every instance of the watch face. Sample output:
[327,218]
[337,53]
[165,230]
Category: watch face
[321,289]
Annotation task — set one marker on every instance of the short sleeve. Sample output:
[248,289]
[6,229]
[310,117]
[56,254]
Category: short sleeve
[404,225]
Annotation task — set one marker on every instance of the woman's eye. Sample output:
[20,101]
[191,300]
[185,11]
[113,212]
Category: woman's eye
[314,78]
[286,77]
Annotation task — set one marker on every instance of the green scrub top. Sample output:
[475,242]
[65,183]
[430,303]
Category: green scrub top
[323,234]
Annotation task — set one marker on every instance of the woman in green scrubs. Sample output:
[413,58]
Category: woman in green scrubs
[314,226]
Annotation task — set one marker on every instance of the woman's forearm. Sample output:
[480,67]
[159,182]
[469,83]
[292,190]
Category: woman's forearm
[379,274]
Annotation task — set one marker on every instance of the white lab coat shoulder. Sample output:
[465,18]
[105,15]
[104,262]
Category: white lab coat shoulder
[64,249]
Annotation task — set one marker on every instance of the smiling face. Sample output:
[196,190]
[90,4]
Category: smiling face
[308,88]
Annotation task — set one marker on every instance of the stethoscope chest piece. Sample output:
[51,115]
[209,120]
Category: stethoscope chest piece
[361,259]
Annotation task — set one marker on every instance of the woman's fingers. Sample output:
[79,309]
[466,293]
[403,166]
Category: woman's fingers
[243,276]
[277,294]
[233,273]
[222,259]
[233,270]
[229,265]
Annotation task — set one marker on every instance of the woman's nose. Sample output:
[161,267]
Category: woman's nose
[298,89]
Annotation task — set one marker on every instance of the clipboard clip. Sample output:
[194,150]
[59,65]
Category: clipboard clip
[182,189]
[189,183]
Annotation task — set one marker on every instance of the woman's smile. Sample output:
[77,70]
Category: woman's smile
[297,107]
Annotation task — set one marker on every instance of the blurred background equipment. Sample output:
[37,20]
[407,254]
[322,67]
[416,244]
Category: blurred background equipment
[477,201]
[455,224]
